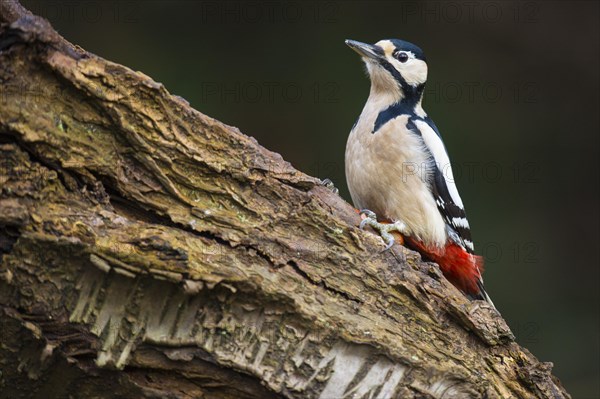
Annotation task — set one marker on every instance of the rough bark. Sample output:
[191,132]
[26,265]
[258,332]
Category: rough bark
[150,250]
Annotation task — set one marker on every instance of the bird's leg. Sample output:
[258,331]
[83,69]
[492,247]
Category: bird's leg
[384,229]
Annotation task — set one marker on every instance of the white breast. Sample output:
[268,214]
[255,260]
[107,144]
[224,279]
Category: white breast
[387,172]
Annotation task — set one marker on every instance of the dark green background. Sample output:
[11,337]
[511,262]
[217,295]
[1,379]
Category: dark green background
[513,87]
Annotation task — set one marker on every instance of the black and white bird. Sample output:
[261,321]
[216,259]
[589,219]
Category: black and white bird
[397,167]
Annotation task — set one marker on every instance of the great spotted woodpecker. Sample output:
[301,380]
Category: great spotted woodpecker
[397,167]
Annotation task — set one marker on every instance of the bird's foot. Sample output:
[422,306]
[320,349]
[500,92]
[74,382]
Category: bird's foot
[385,230]
[329,184]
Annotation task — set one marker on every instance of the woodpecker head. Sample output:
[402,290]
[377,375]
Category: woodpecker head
[393,65]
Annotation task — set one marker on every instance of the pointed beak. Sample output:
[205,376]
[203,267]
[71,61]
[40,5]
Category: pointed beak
[364,50]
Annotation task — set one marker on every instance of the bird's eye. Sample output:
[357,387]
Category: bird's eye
[401,56]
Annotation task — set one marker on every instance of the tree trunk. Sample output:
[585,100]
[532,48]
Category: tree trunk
[148,250]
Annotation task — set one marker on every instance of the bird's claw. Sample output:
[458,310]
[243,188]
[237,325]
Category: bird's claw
[329,184]
[384,229]
[370,218]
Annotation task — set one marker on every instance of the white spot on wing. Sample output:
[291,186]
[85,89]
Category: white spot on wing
[436,147]
[460,222]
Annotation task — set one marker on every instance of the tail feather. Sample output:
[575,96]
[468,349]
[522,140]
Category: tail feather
[483,295]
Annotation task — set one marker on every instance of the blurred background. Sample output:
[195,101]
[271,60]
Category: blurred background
[513,88]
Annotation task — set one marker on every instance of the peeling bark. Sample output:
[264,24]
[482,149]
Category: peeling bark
[148,250]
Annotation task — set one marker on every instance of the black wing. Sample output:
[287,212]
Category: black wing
[453,214]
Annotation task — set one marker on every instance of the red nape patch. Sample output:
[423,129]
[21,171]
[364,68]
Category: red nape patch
[460,267]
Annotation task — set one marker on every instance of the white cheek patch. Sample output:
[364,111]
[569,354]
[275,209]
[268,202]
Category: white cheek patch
[414,71]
